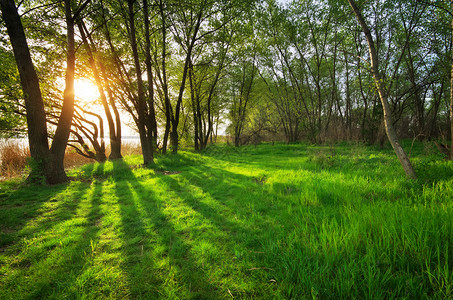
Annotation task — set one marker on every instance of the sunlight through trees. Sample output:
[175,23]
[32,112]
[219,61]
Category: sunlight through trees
[262,70]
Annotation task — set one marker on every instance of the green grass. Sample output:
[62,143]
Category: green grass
[276,222]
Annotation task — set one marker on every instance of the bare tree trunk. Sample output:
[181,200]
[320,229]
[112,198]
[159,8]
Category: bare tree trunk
[391,134]
[348,103]
[115,141]
[451,113]
[194,108]
[437,99]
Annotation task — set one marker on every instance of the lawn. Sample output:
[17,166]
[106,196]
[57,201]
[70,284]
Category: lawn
[272,221]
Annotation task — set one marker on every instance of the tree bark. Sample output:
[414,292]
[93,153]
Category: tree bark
[391,134]
[115,141]
[194,108]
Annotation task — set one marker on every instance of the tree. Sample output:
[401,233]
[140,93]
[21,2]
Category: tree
[380,86]
[193,23]
[125,70]
[241,93]
[204,78]
[103,84]
[48,163]
[141,106]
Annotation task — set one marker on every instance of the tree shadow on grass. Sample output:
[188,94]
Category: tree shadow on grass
[20,207]
[301,268]
[148,234]
[33,208]
[330,185]
[243,217]
[308,270]
[136,239]
[223,188]
[51,263]
[62,207]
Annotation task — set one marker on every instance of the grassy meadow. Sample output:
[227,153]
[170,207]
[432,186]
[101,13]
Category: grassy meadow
[267,222]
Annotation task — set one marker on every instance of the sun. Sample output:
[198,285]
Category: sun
[86,92]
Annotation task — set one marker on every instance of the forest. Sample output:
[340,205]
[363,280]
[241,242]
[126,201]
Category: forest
[287,149]
[261,71]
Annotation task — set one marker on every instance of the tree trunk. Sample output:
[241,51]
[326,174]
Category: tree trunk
[348,102]
[115,141]
[175,118]
[435,110]
[194,108]
[48,163]
[451,100]
[174,139]
[115,145]
[209,131]
[151,113]
[56,173]
[147,153]
[167,103]
[36,118]
[200,120]
[391,134]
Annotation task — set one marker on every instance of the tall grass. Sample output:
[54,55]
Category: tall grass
[266,222]
[14,157]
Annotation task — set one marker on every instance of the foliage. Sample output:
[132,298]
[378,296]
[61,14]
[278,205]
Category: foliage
[11,119]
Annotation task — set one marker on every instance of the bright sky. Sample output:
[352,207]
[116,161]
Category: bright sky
[284,2]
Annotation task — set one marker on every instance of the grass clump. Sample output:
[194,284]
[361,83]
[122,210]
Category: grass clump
[13,159]
[272,221]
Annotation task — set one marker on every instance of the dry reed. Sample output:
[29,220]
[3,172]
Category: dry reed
[14,157]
